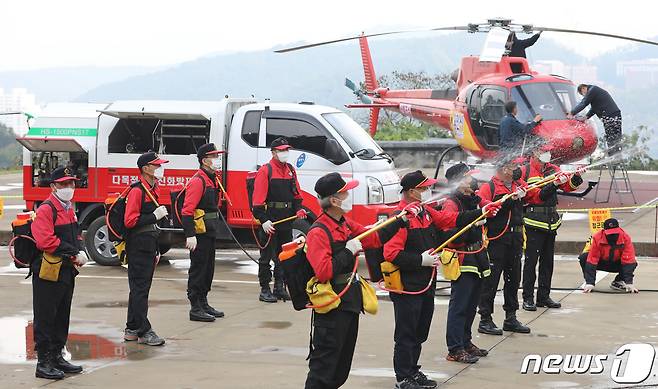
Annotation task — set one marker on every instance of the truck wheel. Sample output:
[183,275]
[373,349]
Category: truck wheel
[300,227]
[98,245]
[163,248]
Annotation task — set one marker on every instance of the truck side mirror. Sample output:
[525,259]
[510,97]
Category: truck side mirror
[334,153]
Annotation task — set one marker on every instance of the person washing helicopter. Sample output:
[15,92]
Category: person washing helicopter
[602,105]
[512,132]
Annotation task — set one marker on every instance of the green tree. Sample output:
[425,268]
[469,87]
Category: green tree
[639,158]
[10,150]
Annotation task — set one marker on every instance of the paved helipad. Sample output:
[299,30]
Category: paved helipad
[260,345]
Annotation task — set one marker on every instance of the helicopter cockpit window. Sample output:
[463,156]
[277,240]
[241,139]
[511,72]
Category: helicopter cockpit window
[550,100]
[493,105]
[166,136]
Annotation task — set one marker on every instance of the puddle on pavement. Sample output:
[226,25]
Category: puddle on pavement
[559,384]
[564,311]
[90,342]
[277,325]
[277,350]
[124,303]
[388,372]
[230,263]
[548,336]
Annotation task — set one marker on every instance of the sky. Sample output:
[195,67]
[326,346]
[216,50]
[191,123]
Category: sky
[49,33]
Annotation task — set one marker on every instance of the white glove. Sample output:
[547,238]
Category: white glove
[481,222]
[588,288]
[354,245]
[519,193]
[268,227]
[190,243]
[160,212]
[428,259]
[631,289]
[560,179]
[81,259]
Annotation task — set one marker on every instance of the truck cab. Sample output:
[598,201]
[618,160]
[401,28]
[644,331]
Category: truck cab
[103,141]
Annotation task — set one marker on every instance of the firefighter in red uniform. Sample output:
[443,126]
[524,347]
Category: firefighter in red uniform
[203,192]
[411,250]
[541,223]
[331,248]
[141,218]
[276,196]
[56,232]
[505,249]
[611,250]
[474,266]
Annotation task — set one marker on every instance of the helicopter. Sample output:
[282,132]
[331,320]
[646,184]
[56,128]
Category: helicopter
[472,111]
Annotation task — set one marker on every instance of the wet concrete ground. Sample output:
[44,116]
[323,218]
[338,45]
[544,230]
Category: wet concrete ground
[260,345]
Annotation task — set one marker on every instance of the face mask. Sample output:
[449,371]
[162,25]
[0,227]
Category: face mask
[282,156]
[65,194]
[159,173]
[216,163]
[474,185]
[545,157]
[425,195]
[516,174]
[346,205]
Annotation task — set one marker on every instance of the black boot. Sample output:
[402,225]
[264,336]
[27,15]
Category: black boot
[513,325]
[62,364]
[208,309]
[487,326]
[266,295]
[45,368]
[280,291]
[197,313]
[529,305]
[548,303]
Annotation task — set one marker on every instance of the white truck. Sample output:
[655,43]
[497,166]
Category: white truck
[101,143]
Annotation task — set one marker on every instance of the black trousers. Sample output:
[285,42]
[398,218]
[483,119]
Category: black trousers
[334,339]
[540,247]
[464,297]
[271,254]
[505,260]
[202,267]
[610,267]
[51,305]
[141,251]
[612,128]
[413,317]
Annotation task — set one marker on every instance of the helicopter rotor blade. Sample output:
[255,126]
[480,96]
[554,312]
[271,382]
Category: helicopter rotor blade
[595,33]
[306,46]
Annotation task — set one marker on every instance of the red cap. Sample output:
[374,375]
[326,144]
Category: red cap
[427,182]
[349,186]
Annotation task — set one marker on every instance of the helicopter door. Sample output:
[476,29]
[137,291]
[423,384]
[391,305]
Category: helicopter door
[492,110]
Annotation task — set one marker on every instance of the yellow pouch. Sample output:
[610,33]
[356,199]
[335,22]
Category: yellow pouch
[525,238]
[450,265]
[392,277]
[199,224]
[370,303]
[320,294]
[120,247]
[50,266]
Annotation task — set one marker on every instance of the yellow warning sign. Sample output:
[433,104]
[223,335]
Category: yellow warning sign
[596,218]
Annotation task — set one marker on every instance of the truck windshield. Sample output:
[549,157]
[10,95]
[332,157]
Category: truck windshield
[353,134]
[551,100]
